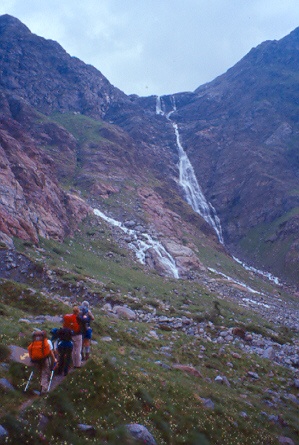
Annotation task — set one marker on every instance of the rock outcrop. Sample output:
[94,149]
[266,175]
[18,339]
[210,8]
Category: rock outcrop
[64,127]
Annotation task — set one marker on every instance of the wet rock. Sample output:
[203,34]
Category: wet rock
[129,224]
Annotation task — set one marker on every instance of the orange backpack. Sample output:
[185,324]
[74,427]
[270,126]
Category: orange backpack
[40,348]
[71,321]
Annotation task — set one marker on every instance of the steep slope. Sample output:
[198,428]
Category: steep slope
[241,133]
[124,164]
[120,154]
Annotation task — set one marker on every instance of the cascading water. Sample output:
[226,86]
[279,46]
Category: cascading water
[193,193]
[141,246]
[187,179]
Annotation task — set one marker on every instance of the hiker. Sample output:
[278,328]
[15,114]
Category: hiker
[42,356]
[54,340]
[64,348]
[86,318]
[72,322]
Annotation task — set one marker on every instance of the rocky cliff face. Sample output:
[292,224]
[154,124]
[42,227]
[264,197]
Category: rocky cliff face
[241,133]
[70,141]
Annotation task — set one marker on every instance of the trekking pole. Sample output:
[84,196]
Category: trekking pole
[50,381]
[30,377]
[52,374]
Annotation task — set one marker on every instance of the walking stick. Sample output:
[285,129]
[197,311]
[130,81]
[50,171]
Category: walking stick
[54,364]
[30,377]
[51,378]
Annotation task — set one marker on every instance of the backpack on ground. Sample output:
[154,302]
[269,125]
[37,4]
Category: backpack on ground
[70,321]
[40,348]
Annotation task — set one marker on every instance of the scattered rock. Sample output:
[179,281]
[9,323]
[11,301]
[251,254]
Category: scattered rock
[163,365]
[296,383]
[253,375]
[124,312]
[239,332]
[107,339]
[141,433]
[285,441]
[189,369]
[3,434]
[208,403]
[87,429]
[6,385]
[107,307]
[269,353]
[222,379]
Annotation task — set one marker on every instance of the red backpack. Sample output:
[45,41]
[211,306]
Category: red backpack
[71,321]
[40,348]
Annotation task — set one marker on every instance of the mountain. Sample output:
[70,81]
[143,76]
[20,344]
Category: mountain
[72,142]
[241,134]
[116,200]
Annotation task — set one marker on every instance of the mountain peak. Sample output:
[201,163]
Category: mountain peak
[10,23]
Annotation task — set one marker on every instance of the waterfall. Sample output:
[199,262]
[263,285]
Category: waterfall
[267,275]
[188,181]
[141,244]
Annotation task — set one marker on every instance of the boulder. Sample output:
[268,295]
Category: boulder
[20,355]
[124,312]
[141,433]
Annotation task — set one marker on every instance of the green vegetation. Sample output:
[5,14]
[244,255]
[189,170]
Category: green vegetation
[132,378]
[124,383]
[257,244]
[83,128]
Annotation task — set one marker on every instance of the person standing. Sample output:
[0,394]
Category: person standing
[64,348]
[42,356]
[86,318]
[72,321]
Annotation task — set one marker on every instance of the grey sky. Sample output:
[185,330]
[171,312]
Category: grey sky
[157,46]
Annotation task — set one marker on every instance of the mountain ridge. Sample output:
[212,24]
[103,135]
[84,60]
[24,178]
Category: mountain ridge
[130,140]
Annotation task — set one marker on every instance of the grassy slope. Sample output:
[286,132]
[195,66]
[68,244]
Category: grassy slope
[123,383]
